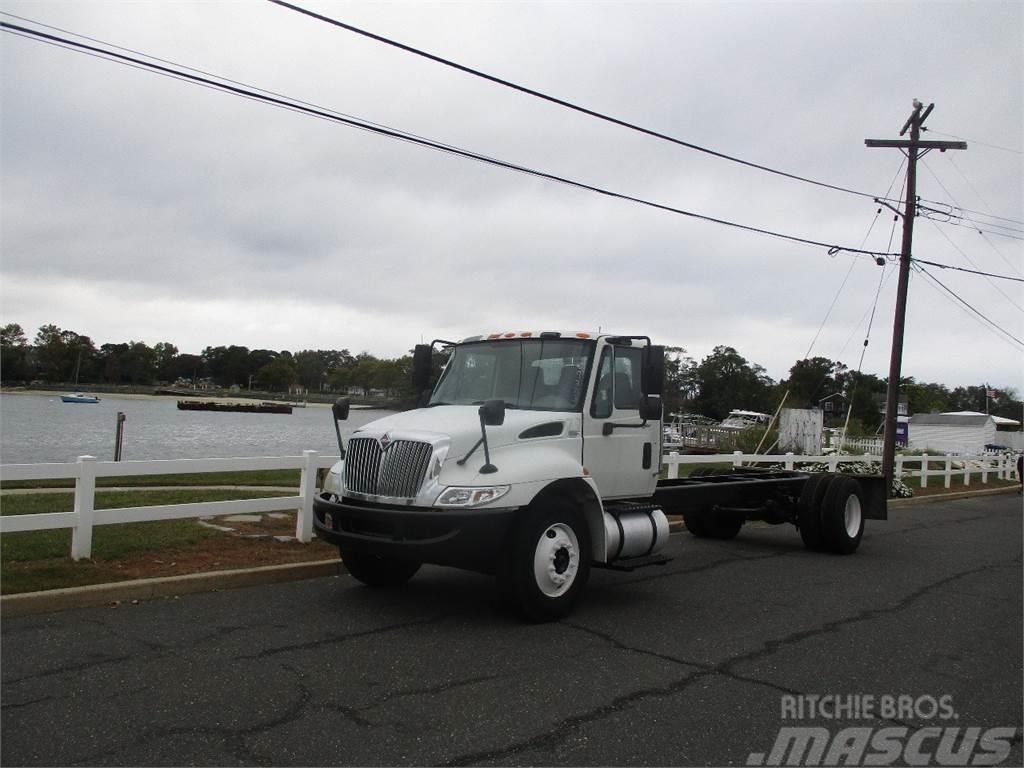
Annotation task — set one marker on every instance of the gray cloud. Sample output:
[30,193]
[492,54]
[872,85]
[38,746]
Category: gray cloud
[203,207]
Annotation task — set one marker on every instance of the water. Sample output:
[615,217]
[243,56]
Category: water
[40,428]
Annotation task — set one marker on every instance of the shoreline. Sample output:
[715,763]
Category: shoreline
[56,393]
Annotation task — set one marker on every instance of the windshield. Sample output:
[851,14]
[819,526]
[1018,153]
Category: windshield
[535,374]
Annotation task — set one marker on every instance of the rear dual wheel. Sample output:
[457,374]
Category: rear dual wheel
[830,513]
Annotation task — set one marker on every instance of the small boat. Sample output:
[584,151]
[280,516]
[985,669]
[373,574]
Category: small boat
[78,397]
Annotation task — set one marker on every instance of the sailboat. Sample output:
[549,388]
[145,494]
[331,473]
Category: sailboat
[78,397]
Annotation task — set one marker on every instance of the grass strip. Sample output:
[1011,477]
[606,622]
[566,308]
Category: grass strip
[282,477]
[31,560]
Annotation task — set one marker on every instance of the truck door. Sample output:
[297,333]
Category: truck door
[622,458]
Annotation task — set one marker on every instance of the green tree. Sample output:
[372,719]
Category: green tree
[189,367]
[813,379]
[277,375]
[364,372]
[926,397]
[52,354]
[164,353]
[866,393]
[229,365]
[725,380]
[15,363]
[680,379]
[140,363]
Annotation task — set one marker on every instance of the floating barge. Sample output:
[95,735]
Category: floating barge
[206,405]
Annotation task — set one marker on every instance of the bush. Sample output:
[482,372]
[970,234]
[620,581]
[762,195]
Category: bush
[900,489]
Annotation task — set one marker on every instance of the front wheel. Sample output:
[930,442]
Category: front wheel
[547,562]
[377,570]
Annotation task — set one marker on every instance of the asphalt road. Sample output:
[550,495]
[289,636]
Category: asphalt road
[687,664]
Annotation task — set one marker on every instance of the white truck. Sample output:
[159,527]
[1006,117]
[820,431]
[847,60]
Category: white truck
[535,457]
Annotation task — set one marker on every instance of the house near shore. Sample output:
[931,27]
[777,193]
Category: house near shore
[963,432]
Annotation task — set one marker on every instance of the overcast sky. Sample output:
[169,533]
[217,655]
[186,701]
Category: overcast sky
[137,207]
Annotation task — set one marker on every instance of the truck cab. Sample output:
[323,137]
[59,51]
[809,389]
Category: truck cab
[534,455]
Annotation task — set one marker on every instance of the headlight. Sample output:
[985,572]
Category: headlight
[332,483]
[471,497]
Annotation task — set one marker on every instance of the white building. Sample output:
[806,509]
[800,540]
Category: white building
[963,432]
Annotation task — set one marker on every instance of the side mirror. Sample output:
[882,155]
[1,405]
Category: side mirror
[654,373]
[650,407]
[340,409]
[422,362]
[492,413]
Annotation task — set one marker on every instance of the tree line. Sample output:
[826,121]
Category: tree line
[721,381]
[58,356]
[725,380]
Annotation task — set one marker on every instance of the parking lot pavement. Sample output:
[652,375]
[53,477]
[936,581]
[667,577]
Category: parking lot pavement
[693,663]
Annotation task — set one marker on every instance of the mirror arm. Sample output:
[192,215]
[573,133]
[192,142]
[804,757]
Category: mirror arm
[487,468]
[472,450]
[341,446]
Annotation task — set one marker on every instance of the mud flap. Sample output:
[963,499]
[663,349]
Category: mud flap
[875,496]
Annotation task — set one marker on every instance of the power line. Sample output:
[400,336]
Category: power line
[560,102]
[971,262]
[846,279]
[992,324]
[1000,253]
[946,190]
[975,141]
[929,213]
[972,271]
[977,213]
[295,106]
[948,212]
[187,67]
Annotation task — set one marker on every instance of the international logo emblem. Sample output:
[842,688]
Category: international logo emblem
[384,441]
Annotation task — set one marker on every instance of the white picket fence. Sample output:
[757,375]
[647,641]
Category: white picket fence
[85,471]
[85,515]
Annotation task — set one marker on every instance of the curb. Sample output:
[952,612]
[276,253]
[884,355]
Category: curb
[915,500]
[29,603]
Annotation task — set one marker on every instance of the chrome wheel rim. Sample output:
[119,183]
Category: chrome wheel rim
[852,516]
[556,560]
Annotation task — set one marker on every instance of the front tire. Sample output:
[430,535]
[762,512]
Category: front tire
[377,570]
[547,562]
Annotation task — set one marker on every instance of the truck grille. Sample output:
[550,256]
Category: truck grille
[397,472]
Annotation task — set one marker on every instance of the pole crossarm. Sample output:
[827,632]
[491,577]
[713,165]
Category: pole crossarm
[942,146]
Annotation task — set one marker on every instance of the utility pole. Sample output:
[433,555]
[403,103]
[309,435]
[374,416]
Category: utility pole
[913,148]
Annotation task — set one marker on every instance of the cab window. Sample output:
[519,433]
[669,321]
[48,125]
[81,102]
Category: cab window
[618,381]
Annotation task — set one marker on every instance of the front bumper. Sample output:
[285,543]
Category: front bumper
[462,538]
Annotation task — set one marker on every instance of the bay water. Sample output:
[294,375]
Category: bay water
[36,428]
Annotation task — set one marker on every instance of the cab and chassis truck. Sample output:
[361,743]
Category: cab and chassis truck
[535,457]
